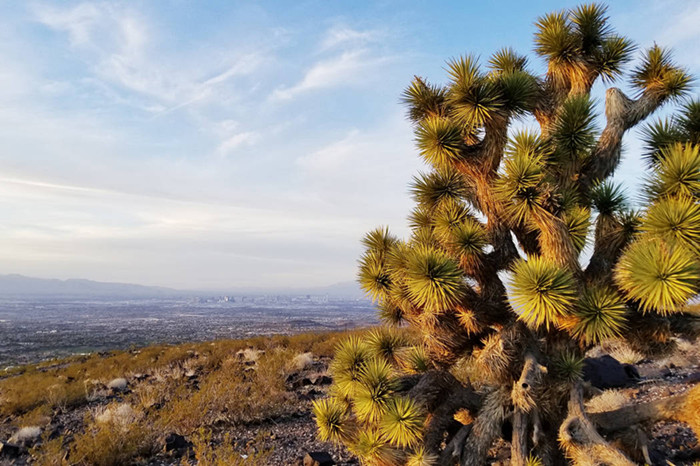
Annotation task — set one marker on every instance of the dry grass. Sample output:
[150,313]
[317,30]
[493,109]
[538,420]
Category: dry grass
[50,453]
[181,388]
[225,454]
[609,400]
[622,352]
[117,435]
[690,411]
[234,394]
[302,361]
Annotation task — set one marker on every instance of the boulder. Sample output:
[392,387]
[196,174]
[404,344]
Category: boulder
[26,436]
[321,379]
[318,458]
[301,382]
[607,372]
[117,385]
[8,450]
[176,442]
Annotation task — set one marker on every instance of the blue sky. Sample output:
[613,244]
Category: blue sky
[230,144]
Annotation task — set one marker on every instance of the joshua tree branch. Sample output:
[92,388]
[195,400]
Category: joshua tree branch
[623,418]
[486,427]
[524,403]
[442,418]
[582,442]
[622,113]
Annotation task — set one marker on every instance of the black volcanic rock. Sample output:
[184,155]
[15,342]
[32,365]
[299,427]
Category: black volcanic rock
[318,458]
[607,372]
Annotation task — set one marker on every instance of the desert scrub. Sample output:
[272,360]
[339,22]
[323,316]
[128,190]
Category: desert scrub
[50,452]
[234,394]
[69,382]
[224,454]
[114,436]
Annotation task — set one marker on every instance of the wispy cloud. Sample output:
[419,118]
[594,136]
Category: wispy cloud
[247,138]
[342,35]
[347,69]
[118,43]
[79,22]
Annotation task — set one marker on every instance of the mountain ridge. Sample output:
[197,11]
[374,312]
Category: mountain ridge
[16,285]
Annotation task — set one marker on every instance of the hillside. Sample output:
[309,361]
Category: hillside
[19,285]
[15,285]
[244,402]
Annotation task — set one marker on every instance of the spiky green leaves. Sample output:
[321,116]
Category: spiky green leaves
[555,38]
[658,135]
[375,390]
[518,90]
[373,276]
[448,218]
[373,448]
[434,280]
[580,44]
[473,98]
[568,366]
[350,358]
[379,241]
[390,313]
[422,458]
[574,129]
[469,239]
[432,189]
[608,198]
[424,100]
[676,220]
[523,172]
[578,221]
[534,461]
[420,218]
[507,61]
[591,23]
[689,121]
[599,315]
[385,343]
[439,141]
[414,360]
[541,292]
[661,277]
[332,419]
[677,173]
[613,54]
[659,76]
[683,128]
[403,422]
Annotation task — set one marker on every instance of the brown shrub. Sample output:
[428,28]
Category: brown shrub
[225,454]
[117,435]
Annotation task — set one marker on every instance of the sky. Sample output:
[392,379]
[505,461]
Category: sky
[234,144]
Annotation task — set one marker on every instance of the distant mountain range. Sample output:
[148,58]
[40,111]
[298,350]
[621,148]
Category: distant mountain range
[14,285]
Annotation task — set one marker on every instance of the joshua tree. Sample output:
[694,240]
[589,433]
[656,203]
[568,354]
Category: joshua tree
[523,255]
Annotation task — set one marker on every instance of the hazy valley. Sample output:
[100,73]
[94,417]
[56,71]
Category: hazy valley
[37,328]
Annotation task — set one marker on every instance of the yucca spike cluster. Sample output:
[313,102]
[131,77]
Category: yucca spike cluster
[368,409]
[520,242]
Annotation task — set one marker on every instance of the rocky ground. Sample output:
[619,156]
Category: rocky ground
[289,439]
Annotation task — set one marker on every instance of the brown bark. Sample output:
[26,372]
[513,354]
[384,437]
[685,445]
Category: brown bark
[523,400]
[622,113]
[627,416]
[518,445]
[485,428]
[582,442]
